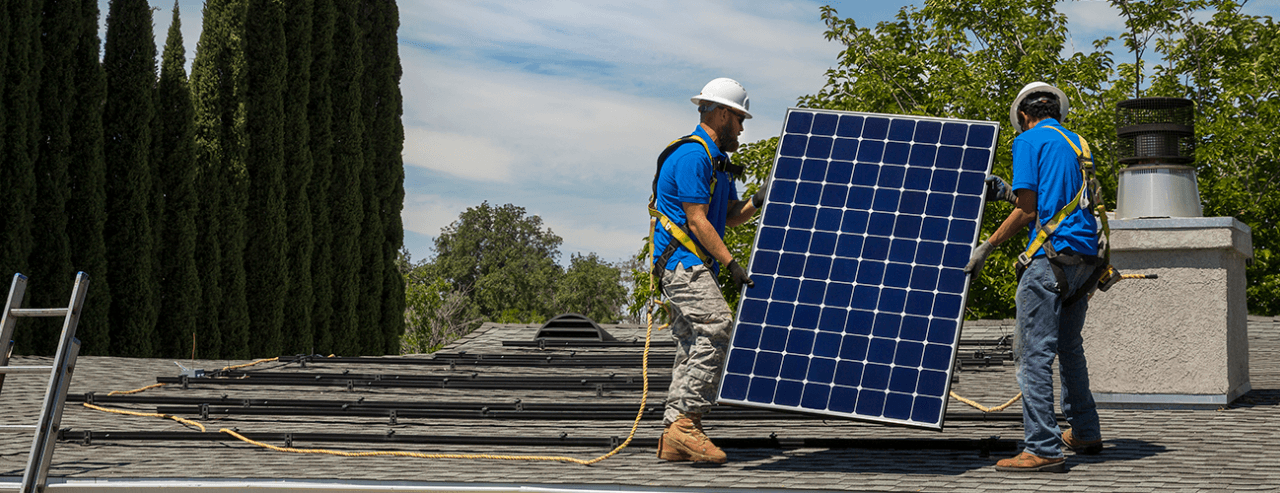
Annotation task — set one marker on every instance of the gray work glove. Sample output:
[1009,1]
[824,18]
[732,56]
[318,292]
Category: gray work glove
[758,199]
[979,258]
[998,189]
[739,275]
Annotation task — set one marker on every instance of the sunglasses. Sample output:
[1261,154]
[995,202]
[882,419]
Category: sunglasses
[741,117]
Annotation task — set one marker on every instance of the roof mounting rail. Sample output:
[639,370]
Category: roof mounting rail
[572,326]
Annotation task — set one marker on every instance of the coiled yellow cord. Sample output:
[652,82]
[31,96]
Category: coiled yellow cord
[985,409]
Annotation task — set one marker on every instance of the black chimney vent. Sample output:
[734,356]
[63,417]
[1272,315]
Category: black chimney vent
[1155,131]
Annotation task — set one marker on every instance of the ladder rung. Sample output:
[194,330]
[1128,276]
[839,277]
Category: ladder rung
[39,311]
[25,369]
[17,427]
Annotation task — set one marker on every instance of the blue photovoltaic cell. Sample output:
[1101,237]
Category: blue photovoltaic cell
[858,263]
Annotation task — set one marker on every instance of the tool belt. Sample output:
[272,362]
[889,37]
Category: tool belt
[1058,262]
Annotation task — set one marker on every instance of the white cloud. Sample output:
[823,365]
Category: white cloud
[551,129]
[612,243]
[467,156]
[427,213]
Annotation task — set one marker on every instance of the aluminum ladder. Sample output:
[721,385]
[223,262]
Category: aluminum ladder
[46,429]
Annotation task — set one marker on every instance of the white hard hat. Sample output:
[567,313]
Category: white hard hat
[727,92]
[1037,86]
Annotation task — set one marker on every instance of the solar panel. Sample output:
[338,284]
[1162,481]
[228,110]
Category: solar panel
[858,265]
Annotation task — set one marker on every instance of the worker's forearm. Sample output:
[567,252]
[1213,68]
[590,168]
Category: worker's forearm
[1017,220]
[740,211]
[710,239]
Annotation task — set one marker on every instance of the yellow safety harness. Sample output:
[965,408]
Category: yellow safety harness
[1089,183]
[681,232]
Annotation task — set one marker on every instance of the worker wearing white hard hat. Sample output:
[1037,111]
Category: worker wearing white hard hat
[694,200]
[1056,272]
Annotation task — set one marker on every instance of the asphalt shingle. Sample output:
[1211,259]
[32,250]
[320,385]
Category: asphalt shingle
[1231,449]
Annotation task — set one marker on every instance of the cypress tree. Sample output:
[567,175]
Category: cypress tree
[370,275]
[384,145]
[297,330]
[320,123]
[20,72]
[87,196]
[50,259]
[217,92]
[265,263]
[345,187]
[130,65]
[180,290]
[8,260]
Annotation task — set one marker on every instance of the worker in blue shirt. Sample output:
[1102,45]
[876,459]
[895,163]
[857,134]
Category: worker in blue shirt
[694,200]
[1056,273]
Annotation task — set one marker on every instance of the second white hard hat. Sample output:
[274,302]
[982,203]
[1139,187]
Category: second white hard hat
[727,92]
[1063,105]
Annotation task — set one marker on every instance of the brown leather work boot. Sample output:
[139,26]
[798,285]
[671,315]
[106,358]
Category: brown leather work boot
[1078,446]
[1029,462]
[684,440]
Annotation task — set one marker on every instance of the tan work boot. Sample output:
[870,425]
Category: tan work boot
[684,440]
[1029,462]
[1080,446]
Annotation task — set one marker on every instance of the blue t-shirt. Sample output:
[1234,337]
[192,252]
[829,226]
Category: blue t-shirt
[686,177]
[1044,162]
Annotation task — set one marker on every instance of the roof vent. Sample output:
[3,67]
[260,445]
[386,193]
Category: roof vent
[572,326]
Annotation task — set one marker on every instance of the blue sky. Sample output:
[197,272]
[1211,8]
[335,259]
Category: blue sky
[561,107]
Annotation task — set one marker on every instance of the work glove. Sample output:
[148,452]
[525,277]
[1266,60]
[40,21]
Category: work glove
[758,199]
[739,275]
[998,189]
[979,258]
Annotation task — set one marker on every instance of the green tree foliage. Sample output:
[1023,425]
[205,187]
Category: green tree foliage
[436,312]
[86,176]
[51,256]
[1228,64]
[590,287]
[497,264]
[347,206]
[320,123]
[505,259]
[217,91]
[19,126]
[384,143]
[130,67]
[264,257]
[297,330]
[180,294]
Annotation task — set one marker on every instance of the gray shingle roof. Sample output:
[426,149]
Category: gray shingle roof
[1231,449]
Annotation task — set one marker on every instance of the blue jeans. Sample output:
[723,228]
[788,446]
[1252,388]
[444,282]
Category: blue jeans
[1047,329]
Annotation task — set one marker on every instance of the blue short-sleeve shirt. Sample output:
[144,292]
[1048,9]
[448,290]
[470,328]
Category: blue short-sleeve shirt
[1044,162]
[686,177]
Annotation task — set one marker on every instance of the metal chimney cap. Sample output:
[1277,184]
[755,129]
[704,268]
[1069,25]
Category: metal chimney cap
[1155,103]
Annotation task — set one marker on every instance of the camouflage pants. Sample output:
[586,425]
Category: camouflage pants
[700,326]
